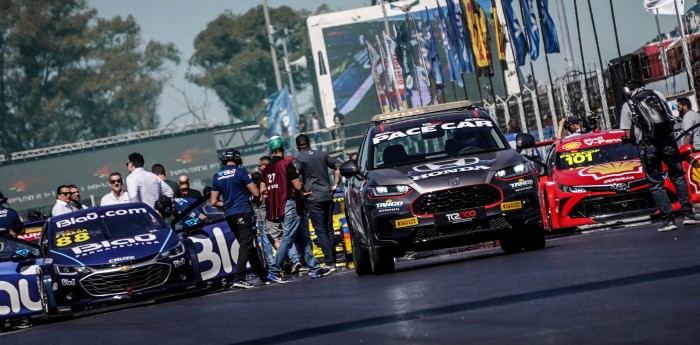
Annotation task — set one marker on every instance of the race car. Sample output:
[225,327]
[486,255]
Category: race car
[596,179]
[109,255]
[438,177]
[32,231]
[19,292]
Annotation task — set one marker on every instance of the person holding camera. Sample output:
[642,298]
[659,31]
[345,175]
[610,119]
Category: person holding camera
[652,152]
[572,124]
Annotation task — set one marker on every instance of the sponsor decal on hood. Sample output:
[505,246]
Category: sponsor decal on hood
[446,167]
[612,169]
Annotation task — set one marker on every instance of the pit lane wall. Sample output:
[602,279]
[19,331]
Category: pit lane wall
[31,184]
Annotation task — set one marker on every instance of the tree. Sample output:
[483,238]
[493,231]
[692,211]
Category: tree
[232,56]
[67,75]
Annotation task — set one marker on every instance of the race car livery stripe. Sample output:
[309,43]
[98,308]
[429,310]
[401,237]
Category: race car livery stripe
[64,255]
[165,242]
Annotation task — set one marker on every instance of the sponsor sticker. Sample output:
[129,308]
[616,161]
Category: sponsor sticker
[179,262]
[571,146]
[429,127]
[613,169]
[93,215]
[459,216]
[402,223]
[389,206]
[511,205]
[123,258]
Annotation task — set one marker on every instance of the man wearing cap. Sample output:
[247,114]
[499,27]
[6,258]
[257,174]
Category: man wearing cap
[281,184]
[313,166]
[572,124]
[10,223]
[236,188]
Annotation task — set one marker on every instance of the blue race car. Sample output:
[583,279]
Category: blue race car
[19,292]
[107,255]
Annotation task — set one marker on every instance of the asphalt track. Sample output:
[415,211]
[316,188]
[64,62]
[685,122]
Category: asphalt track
[624,286]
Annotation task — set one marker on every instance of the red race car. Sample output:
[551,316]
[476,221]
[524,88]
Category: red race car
[596,179]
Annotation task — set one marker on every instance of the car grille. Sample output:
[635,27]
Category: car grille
[117,281]
[613,204]
[456,199]
[434,233]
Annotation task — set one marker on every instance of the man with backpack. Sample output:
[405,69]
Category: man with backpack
[647,121]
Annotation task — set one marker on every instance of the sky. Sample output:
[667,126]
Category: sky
[179,21]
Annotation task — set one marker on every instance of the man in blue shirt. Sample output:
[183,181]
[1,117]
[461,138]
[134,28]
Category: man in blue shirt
[236,187]
[10,223]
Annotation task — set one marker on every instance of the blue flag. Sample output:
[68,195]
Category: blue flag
[533,32]
[433,54]
[448,41]
[549,31]
[464,44]
[516,33]
[281,119]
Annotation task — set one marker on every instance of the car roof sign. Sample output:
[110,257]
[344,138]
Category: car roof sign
[420,111]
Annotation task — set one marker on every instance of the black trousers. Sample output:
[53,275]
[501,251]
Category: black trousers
[242,227]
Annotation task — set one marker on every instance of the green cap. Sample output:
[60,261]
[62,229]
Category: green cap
[276,143]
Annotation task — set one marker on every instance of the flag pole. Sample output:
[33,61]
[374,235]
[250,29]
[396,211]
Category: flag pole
[583,61]
[413,62]
[686,57]
[512,48]
[546,55]
[532,66]
[617,39]
[662,51]
[595,34]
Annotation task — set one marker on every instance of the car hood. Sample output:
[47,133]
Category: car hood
[473,169]
[116,250]
[599,174]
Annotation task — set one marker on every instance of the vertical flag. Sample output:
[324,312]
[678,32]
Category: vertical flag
[373,59]
[281,119]
[434,58]
[549,30]
[396,69]
[390,90]
[516,33]
[500,37]
[423,70]
[477,26]
[463,46]
[404,52]
[533,33]
[447,41]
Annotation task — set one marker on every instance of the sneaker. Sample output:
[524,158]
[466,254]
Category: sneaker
[276,279]
[331,268]
[242,284]
[691,219]
[227,283]
[303,269]
[322,272]
[296,267]
[668,225]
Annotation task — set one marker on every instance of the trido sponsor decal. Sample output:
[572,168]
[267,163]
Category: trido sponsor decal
[389,206]
[522,184]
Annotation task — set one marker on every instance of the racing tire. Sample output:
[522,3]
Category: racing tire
[511,245]
[48,303]
[536,242]
[381,263]
[359,258]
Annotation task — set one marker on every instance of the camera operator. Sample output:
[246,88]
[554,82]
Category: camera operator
[572,124]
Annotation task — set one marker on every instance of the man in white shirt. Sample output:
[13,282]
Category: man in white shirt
[115,195]
[75,198]
[63,204]
[143,185]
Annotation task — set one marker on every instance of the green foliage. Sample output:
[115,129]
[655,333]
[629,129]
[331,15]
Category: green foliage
[232,57]
[67,75]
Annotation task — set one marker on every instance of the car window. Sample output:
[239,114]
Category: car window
[595,155]
[103,225]
[429,141]
[9,245]
[199,212]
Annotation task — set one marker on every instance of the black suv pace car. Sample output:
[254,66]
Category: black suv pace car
[438,177]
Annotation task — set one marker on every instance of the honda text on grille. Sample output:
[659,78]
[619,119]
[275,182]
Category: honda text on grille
[438,177]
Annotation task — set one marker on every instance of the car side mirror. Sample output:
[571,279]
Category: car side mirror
[23,256]
[524,141]
[349,169]
[685,149]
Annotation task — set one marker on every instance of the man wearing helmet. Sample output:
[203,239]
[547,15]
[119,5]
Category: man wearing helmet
[281,183]
[235,186]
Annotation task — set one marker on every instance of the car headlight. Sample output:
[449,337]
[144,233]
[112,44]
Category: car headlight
[515,171]
[71,270]
[178,250]
[572,189]
[384,191]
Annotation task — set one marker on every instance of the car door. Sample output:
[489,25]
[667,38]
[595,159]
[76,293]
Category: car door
[19,291]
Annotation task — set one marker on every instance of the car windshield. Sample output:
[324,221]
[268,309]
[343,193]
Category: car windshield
[595,155]
[101,225]
[194,213]
[9,246]
[433,140]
